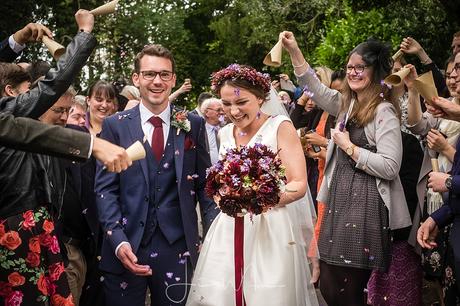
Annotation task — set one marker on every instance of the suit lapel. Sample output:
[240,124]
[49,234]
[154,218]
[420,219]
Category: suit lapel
[178,151]
[136,132]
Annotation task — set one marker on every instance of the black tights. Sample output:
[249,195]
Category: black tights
[343,285]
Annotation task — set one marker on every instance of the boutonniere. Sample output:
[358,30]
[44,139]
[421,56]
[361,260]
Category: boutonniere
[180,121]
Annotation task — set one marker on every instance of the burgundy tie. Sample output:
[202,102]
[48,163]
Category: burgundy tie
[157,137]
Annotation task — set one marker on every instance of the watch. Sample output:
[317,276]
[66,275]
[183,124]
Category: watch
[448,183]
[350,150]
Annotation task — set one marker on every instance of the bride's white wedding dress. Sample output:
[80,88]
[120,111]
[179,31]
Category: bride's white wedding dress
[276,269]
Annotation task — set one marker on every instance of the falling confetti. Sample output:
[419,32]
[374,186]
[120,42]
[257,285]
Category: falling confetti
[153,255]
[166,165]
[187,253]
[123,285]
[192,192]
[169,274]
[109,233]
[182,261]
[176,152]
[84,211]
[124,221]
[177,279]
[101,279]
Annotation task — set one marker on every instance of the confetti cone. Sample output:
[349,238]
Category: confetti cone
[136,151]
[425,86]
[396,78]
[435,164]
[397,55]
[56,49]
[105,9]
[273,58]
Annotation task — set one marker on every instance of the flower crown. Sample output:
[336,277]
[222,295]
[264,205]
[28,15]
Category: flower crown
[236,71]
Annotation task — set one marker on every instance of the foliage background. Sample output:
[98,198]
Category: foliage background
[206,35]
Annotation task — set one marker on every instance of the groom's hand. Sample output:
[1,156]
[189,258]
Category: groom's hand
[129,260]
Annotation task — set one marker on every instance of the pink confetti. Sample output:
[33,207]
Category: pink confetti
[177,279]
[192,192]
[109,233]
[123,285]
[182,261]
[166,165]
[153,255]
[124,221]
[176,152]
[169,274]
[187,253]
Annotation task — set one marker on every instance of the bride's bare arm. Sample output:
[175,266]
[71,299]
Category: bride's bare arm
[291,155]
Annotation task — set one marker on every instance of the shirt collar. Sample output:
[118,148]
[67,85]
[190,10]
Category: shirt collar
[146,114]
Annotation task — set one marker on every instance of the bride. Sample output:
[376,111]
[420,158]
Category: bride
[275,246]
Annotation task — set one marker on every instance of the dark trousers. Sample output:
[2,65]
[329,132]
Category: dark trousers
[169,283]
[343,286]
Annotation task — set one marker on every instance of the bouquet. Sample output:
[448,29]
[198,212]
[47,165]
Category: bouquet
[246,180]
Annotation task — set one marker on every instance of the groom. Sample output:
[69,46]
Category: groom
[148,212]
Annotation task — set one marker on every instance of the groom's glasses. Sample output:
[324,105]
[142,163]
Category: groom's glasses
[150,75]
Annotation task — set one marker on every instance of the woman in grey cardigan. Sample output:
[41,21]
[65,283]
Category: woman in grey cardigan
[362,190]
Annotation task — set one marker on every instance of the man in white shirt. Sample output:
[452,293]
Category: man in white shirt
[212,110]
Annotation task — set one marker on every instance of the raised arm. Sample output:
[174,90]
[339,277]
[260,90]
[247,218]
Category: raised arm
[38,100]
[326,98]
[417,122]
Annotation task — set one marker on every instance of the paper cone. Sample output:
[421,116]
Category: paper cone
[136,151]
[56,50]
[397,55]
[105,9]
[435,164]
[425,86]
[273,58]
[396,78]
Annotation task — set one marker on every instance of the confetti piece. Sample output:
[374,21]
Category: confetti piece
[123,285]
[84,211]
[169,274]
[101,279]
[177,279]
[189,177]
[166,165]
[176,152]
[187,253]
[153,255]
[182,261]
[192,192]
[124,221]
[109,233]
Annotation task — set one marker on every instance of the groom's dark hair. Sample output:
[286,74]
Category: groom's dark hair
[154,50]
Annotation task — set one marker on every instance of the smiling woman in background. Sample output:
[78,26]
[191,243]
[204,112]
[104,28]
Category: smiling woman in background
[361,189]
[102,102]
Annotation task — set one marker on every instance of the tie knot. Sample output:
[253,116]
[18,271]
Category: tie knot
[156,121]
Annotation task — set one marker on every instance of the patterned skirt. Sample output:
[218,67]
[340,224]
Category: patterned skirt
[31,267]
[401,285]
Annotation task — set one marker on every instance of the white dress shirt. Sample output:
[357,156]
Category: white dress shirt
[212,141]
[148,128]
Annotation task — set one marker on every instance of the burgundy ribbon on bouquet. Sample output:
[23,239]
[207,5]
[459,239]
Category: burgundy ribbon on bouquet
[238,245]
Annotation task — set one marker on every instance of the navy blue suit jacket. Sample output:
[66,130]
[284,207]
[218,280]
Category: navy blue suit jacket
[451,207]
[126,195]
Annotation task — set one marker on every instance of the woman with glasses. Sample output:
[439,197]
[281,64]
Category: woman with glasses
[361,186]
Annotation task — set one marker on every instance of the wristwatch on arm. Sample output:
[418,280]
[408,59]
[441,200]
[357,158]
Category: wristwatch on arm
[448,183]
[350,150]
